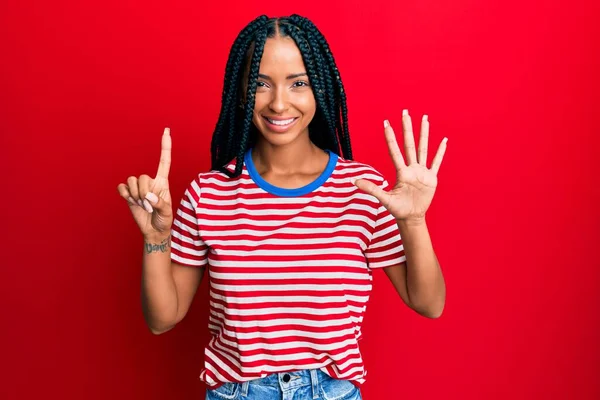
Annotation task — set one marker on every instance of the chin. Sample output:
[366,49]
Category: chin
[280,138]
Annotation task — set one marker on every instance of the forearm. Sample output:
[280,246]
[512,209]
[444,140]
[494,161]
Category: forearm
[424,278]
[158,289]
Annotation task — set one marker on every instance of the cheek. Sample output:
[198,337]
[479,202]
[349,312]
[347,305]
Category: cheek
[259,107]
[307,105]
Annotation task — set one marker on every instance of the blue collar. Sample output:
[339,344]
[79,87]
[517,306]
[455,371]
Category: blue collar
[284,192]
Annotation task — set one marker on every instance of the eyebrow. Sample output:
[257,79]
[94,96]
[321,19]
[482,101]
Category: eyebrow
[292,76]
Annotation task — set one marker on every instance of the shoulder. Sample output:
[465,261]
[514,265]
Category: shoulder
[213,179]
[357,170]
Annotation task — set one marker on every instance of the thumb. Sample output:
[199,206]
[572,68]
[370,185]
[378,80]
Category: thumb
[156,202]
[374,190]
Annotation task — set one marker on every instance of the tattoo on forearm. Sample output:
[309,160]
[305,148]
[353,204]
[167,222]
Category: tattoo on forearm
[161,247]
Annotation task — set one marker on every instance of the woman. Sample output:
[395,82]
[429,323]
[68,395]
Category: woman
[288,224]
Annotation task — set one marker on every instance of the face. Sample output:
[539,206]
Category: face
[284,102]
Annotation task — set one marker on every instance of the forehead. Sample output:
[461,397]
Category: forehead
[281,55]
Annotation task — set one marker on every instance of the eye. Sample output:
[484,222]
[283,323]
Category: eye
[300,84]
[260,84]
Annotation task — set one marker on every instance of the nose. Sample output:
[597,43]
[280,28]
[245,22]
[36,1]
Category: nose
[279,101]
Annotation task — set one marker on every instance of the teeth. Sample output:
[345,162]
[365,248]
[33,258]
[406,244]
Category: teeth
[281,123]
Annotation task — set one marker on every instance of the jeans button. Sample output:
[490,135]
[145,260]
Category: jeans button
[286,378]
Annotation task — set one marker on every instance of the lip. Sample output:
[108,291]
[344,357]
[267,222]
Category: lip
[278,128]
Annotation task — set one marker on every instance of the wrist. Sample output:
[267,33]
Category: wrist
[157,237]
[156,245]
[411,222]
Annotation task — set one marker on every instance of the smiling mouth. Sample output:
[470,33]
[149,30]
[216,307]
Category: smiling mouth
[280,122]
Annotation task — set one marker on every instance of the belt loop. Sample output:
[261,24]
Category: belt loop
[245,388]
[314,378]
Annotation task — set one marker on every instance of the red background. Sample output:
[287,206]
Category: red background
[86,90]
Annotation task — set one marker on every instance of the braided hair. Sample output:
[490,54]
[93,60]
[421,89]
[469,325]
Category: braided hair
[235,133]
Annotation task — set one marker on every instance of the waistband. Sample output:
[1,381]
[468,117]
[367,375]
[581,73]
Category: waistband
[289,380]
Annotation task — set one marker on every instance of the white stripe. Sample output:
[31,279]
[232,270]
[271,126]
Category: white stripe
[350,372]
[189,251]
[388,263]
[294,231]
[186,228]
[308,299]
[270,288]
[196,189]
[342,220]
[292,345]
[289,333]
[304,252]
[230,190]
[385,242]
[222,365]
[382,232]
[372,210]
[286,357]
[244,276]
[274,201]
[373,254]
[286,321]
[295,242]
[286,310]
[183,260]
[287,264]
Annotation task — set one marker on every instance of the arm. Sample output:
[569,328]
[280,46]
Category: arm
[419,281]
[167,288]
[420,284]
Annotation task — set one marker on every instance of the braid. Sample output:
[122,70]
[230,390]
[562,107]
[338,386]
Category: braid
[261,38]
[316,76]
[333,70]
[235,132]
[221,152]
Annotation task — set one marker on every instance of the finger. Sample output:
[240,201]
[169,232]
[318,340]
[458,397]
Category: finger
[147,206]
[439,156]
[165,154]
[374,190]
[409,138]
[132,185]
[394,150]
[423,141]
[144,184]
[158,203]
[124,192]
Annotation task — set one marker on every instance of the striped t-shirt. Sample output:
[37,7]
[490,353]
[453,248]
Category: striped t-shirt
[289,269]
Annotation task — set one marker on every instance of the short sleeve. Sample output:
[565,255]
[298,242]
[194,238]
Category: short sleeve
[187,246]
[385,248]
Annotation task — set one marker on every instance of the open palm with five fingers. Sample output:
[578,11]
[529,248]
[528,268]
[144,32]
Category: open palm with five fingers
[150,199]
[415,186]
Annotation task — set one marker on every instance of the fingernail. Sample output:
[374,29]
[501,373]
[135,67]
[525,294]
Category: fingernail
[404,113]
[140,203]
[425,117]
[167,131]
[152,198]
[386,123]
[353,181]
[147,206]
[131,200]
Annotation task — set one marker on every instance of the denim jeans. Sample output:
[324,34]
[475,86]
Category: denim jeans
[298,385]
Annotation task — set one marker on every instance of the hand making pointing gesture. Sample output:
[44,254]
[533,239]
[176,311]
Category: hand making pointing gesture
[415,183]
[149,199]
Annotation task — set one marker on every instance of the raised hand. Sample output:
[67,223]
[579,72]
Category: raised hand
[415,186]
[149,199]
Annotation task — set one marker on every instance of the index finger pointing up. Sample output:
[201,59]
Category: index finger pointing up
[165,155]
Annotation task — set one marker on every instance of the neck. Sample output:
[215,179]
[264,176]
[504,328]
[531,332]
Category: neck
[285,159]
